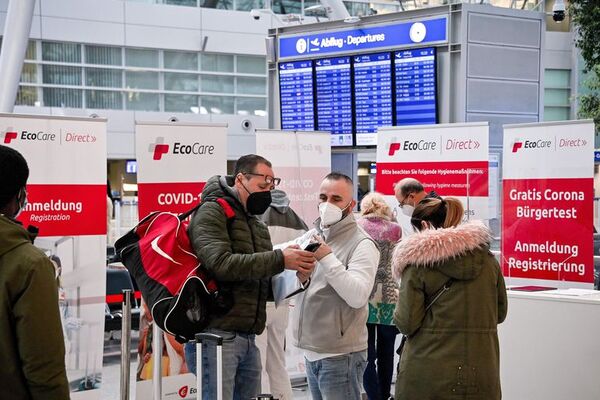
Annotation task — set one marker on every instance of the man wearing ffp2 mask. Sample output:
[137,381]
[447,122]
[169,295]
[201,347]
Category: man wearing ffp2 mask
[339,290]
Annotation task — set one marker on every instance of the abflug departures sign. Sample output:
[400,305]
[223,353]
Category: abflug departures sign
[352,96]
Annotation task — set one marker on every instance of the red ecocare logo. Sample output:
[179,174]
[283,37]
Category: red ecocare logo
[8,137]
[409,145]
[158,148]
[183,392]
[516,146]
[540,144]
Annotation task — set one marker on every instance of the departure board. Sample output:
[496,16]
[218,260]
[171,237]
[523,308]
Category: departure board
[415,87]
[352,96]
[334,99]
[372,95]
[296,94]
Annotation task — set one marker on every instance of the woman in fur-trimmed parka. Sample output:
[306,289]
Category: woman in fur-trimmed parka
[452,350]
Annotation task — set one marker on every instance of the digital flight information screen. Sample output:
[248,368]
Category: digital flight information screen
[296,94]
[372,95]
[352,96]
[334,99]
[415,87]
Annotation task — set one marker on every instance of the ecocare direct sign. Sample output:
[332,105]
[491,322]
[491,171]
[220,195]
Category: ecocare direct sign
[450,159]
[66,200]
[548,194]
[175,161]
[66,189]
[426,31]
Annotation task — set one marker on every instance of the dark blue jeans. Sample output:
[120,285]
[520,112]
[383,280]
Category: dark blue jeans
[378,378]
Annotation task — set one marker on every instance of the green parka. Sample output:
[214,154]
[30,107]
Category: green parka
[452,351]
[238,253]
[32,352]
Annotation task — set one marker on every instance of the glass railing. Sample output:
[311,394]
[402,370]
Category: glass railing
[355,7]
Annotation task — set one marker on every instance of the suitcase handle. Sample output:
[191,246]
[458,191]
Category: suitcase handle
[209,337]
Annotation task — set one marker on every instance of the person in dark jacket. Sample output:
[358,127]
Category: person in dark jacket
[239,254]
[452,349]
[32,352]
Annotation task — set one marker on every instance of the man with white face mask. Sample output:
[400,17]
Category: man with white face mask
[329,319]
[409,192]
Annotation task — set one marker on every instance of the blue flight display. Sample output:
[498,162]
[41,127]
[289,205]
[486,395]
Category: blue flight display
[296,94]
[372,95]
[334,99]
[415,87]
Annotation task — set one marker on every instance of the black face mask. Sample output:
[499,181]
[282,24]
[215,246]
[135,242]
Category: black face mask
[258,202]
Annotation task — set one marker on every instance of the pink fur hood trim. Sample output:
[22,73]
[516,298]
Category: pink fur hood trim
[431,246]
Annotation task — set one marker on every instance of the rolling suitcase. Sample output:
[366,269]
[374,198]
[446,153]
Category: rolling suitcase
[218,340]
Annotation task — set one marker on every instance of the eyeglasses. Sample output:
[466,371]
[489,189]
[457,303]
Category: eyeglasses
[403,201]
[269,180]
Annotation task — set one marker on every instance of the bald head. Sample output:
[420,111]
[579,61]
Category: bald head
[409,190]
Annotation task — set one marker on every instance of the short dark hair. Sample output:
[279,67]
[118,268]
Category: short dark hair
[14,173]
[248,163]
[338,176]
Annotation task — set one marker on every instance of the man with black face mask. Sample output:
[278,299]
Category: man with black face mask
[32,352]
[239,254]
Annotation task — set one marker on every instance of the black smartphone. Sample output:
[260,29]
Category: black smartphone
[312,247]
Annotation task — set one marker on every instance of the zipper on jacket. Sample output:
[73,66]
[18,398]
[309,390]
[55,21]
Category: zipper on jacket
[301,317]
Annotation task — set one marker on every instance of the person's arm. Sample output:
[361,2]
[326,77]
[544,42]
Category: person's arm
[39,333]
[212,244]
[502,296]
[410,309]
[355,283]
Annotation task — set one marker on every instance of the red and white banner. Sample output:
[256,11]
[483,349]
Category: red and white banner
[451,159]
[301,160]
[174,162]
[547,208]
[67,199]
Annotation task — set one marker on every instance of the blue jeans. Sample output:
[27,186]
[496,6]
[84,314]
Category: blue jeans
[336,378]
[241,366]
[378,380]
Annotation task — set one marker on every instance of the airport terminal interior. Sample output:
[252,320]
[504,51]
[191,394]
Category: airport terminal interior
[493,102]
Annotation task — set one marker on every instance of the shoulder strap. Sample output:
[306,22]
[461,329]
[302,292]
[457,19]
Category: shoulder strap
[227,209]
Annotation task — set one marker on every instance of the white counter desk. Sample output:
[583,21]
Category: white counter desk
[550,345]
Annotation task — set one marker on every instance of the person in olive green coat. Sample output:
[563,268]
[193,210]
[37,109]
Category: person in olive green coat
[238,253]
[32,353]
[452,350]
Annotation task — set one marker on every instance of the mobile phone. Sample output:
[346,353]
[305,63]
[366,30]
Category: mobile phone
[312,247]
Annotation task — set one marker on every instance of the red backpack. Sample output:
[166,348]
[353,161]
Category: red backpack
[180,293]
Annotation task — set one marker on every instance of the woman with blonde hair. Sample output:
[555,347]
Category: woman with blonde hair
[377,222]
[452,297]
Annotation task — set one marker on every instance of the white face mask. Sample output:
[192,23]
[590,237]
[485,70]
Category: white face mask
[407,210]
[22,200]
[330,213]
